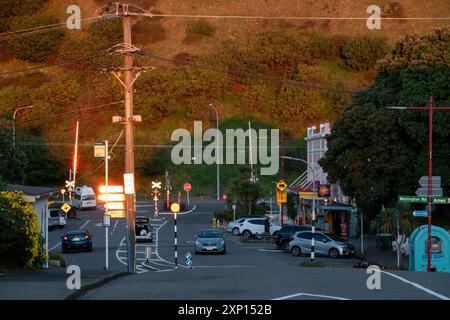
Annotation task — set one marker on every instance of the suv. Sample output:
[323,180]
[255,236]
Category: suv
[250,227]
[325,243]
[286,234]
[56,218]
[143,229]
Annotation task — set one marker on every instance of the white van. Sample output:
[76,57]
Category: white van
[84,198]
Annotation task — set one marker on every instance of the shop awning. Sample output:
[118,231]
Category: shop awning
[335,207]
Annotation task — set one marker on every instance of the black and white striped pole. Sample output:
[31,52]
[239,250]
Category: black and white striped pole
[175,208]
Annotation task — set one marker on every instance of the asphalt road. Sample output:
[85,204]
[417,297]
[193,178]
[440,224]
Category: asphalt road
[253,271]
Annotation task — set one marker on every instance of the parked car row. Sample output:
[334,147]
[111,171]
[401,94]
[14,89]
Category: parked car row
[294,239]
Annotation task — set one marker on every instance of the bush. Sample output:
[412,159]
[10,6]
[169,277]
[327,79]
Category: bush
[320,47]
[362,53]
[19,232]
[34,47]
[195,30]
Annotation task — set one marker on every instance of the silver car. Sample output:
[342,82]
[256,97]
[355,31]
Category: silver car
[210,240]
[325,243]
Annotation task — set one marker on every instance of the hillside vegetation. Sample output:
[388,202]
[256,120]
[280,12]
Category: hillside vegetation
[279,73]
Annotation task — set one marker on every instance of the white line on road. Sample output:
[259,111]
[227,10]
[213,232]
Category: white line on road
[311,295]
[84,224]
[115,226]
[418,286]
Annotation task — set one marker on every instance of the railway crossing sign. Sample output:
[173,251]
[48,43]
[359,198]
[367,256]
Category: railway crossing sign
[281,185]
[156,184]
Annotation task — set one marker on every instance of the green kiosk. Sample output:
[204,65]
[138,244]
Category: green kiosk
[440,249]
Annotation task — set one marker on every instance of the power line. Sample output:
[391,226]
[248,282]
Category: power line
[68,62]
[110,153]
[40,29]
[73,111]
[284,17]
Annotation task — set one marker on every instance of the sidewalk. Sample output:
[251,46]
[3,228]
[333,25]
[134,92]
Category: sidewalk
[383,257]
[47,284]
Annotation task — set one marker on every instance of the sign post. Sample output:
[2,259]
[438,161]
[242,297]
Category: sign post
[187,188]
[175,208]
[281,197]
[156,185]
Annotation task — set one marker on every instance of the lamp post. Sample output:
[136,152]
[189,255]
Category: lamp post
[218,151]
[14,123]
[313,222]
[430,109]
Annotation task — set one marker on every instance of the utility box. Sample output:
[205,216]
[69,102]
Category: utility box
[440,249]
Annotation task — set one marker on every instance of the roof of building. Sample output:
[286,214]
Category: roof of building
[31,190]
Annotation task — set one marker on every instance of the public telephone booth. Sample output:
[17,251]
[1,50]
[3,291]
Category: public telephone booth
[440,249]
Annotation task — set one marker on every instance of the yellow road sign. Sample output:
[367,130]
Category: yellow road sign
[281,185]
[66,207]
[117,214]
[281,197]
[175,207]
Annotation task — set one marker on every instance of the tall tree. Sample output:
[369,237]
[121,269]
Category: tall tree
[375,153]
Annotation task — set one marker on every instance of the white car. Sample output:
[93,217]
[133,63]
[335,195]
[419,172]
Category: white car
[233,226]
[251,227]
[84,198]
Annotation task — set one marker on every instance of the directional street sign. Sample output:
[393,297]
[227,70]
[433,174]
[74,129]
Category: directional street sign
[117,214]
[436,190]
[420,213]
[435,181]
[281,185]
[66,207]
[424,199]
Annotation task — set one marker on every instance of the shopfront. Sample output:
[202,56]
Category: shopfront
[339,219]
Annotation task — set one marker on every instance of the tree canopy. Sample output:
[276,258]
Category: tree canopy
[375,153]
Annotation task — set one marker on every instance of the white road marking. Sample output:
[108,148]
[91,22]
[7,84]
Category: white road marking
[115,226]
[418,286]
[311,295]
[84,224]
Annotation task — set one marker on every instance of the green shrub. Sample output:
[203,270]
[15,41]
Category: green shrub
[320,47]
[200,27]
[19,232]
[362,53]
[195,30]
[34,47]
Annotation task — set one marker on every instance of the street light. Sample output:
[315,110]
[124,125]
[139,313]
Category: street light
[313,222]
[217,152]
[14,123]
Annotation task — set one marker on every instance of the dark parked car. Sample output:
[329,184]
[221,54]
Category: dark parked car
[75,240]
[144,230]
[286,233]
